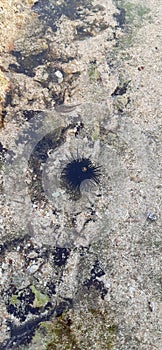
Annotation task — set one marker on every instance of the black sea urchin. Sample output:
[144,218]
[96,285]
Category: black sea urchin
[78,170]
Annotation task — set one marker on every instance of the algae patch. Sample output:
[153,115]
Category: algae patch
[76,329]
[132,14]
[130,17]
[40,298]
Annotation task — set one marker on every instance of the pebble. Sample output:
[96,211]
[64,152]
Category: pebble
[33,268]
[32,255]
[59,76]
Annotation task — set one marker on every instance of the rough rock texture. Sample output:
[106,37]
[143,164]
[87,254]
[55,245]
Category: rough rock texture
[80,269]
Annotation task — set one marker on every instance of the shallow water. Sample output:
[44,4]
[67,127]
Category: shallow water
[80,79]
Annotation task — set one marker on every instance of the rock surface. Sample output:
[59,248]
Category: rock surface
[80,270]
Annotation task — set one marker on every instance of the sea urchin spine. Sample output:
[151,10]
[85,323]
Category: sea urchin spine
[77,171]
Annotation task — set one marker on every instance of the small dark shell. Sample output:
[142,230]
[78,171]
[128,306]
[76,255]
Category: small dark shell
[77,171]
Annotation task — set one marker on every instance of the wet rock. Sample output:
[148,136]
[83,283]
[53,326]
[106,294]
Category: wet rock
[26,64]
[60,256]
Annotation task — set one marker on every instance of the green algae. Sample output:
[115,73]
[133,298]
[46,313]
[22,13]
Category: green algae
[134,17]
[93,73]
[96,132]
[135,14]
[14,299]
[79,330]
[57,333]
[41,299]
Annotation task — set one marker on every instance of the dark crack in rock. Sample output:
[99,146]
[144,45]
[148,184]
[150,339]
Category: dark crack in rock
[50,11]
[26,64]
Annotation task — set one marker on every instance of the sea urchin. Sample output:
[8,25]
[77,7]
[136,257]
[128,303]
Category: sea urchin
[77,171]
